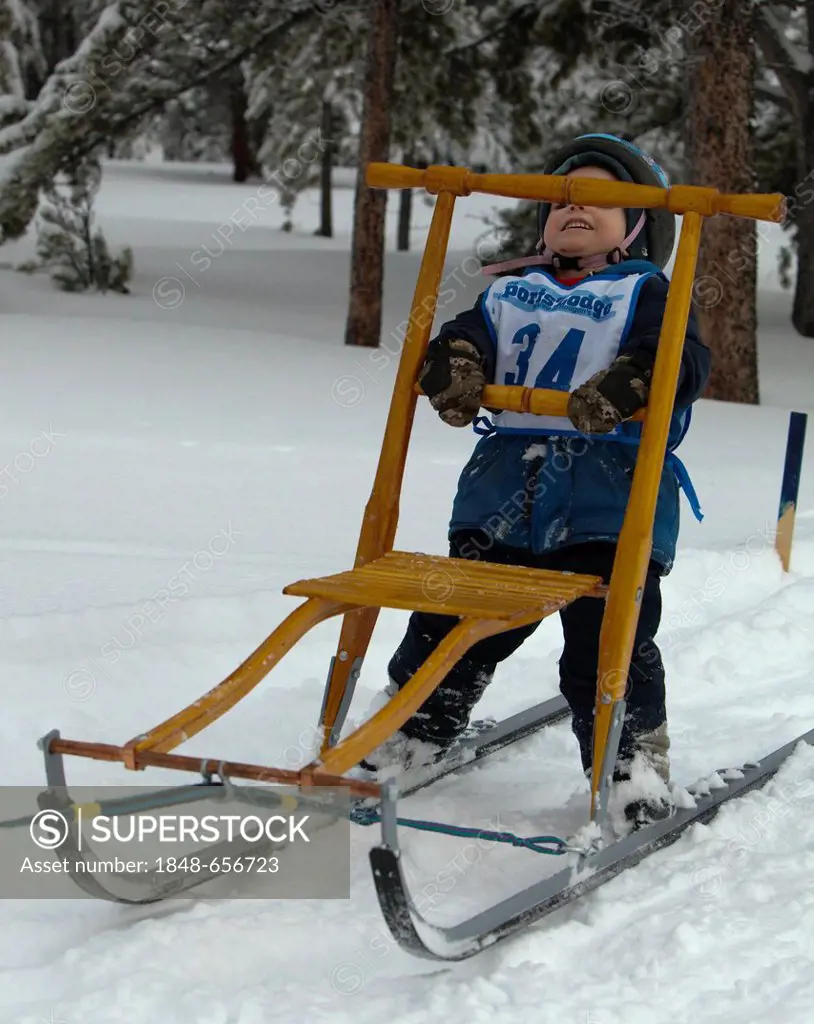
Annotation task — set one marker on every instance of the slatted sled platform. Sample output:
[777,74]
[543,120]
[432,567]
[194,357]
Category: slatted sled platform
[482,590]
[487,598]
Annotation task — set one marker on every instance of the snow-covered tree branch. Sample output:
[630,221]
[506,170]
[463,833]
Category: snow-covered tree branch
[20,56]
[789,59]
[133,61]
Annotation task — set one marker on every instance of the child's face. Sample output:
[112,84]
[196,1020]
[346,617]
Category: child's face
[585,230]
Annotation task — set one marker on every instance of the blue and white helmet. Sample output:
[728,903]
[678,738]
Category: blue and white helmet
[652,239]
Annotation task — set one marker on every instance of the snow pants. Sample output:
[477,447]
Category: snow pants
[446,713]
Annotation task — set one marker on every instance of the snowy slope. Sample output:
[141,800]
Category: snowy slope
[229,439]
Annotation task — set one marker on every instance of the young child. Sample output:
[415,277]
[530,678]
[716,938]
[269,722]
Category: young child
[550,492]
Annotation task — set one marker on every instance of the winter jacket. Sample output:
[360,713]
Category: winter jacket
[543,493]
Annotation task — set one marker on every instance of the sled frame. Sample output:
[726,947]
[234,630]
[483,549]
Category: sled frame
[487,598]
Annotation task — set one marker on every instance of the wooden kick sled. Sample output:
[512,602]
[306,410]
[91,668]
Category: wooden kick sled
[487,598]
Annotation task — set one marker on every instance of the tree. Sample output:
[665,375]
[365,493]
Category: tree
[137,57]
[469,76]
[720,111]
[364,320]
[195,125]
[326,223]
[341,54]
[303,101]
[245,163]
[785,35]
[61,25]
[70,245]
[405,211]
[429,117]
[601,66]
[21,58]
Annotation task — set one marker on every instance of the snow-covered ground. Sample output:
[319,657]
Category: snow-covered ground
[212,428]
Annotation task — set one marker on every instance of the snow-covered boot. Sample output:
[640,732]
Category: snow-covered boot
[643,783]
[648,810]
[399,752]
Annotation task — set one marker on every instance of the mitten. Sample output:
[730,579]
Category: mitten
[453,379]
[613,395]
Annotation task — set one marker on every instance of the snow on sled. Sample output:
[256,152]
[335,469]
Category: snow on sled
[487,598]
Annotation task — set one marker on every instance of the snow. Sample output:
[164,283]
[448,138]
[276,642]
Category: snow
[10,106]
[167,469]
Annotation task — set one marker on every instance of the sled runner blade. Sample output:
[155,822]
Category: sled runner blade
[585,873]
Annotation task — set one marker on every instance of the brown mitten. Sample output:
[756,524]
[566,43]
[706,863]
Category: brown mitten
[613,395]
[453,379]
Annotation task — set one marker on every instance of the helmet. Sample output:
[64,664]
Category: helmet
[654,238]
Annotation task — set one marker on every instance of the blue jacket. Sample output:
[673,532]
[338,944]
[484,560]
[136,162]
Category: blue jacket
[544,493]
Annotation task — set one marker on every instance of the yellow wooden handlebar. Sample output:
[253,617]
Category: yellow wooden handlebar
[557,188]
[538,401]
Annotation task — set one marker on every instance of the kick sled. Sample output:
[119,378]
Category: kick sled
[487,598]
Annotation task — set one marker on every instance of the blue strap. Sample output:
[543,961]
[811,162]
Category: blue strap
[484,431]
[537,844]
[678,467]
[684,482]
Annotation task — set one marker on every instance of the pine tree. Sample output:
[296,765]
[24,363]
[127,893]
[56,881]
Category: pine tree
[242,149]
[69,245]
[135,59]
[305,101]
[328,122]
[22,60]
[62,26]
[785,35]
[720,112]
[431,122]
[595,66]
[487,51]
[363,324]
[194,126]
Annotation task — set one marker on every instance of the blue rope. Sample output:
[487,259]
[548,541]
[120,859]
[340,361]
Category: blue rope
[537,844]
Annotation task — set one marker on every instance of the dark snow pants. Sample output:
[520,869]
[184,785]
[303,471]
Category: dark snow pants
[447,711]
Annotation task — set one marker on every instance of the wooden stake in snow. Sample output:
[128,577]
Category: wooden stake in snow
[790,486]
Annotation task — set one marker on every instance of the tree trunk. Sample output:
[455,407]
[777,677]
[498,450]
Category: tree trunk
[717,139]
[325,228]
[405,211]
[363,325]
[57,32]
[244,160]
[803,312]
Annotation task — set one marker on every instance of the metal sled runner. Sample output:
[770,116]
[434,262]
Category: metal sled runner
[487,598]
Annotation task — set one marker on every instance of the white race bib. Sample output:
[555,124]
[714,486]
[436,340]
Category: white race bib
[550,335]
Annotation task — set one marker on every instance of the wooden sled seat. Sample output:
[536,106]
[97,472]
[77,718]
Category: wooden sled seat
[451,586]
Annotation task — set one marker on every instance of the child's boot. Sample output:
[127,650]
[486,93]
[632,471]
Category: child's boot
[402,753]
[643,780]
[399,751]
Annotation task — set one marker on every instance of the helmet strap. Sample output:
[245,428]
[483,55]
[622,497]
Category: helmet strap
[548,257]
